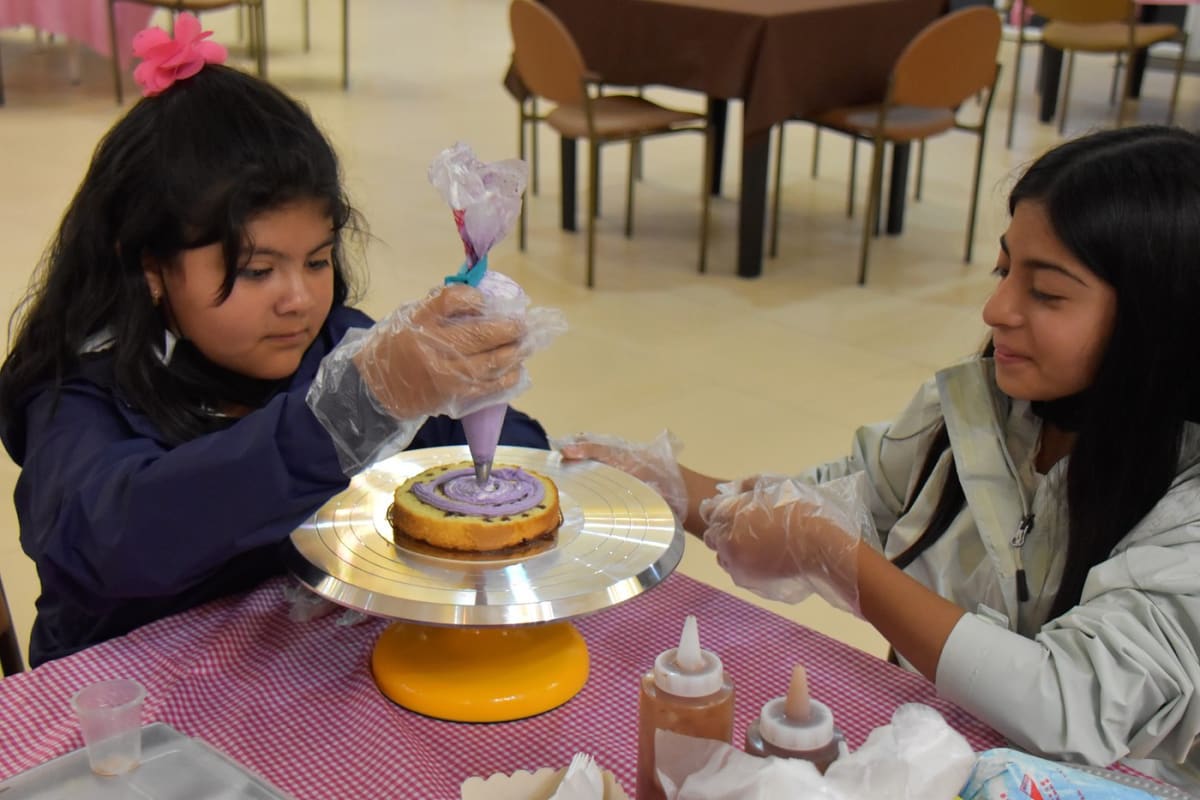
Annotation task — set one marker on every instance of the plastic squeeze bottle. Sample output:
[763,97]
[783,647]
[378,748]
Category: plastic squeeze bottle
[795,726]
[687,692]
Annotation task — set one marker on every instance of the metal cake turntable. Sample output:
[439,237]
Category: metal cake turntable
[477,612]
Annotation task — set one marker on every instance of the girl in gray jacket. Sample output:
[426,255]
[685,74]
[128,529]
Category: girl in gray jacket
[1027,532]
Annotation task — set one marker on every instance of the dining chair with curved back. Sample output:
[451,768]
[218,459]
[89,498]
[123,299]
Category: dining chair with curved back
[256,21]
[950,61]
[1095,26]
[10,649]
[550,64]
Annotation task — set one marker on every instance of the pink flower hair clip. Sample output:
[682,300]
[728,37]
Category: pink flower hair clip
[166,60]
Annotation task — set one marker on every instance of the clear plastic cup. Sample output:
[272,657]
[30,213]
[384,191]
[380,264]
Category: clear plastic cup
[110,714]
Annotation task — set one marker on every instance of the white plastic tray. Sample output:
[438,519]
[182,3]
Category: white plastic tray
[173,767]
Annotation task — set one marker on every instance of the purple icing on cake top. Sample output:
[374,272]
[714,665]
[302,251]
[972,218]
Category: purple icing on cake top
[509,491]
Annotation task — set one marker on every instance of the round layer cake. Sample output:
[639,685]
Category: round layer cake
[446,507]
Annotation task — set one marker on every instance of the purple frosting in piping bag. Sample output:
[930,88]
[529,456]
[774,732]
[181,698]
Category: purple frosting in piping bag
[509,491]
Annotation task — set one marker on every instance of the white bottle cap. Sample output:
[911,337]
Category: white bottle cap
[777,728]
[687,670]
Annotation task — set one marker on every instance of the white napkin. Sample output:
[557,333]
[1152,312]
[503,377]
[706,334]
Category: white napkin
[582,781]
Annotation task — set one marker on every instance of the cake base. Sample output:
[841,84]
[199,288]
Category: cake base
[480,674]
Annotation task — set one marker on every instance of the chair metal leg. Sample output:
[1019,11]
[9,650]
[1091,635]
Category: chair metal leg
[853,176]
[1178,74]
[873,206]
[593,179]
[258,36]
[634,145]
[773,249]
[816,148]
[1016,85]
[1112,87]
[116,53]
[533,129]
[521,154]
[920,169]
[1066,93]
[345,44]
[307,26]
[705,195]
[975,193]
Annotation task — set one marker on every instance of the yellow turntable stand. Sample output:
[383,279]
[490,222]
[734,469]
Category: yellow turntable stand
[480,674]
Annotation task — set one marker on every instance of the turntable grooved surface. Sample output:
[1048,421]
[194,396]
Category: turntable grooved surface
[618,538]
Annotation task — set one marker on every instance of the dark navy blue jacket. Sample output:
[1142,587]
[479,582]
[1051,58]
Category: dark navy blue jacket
[125,529]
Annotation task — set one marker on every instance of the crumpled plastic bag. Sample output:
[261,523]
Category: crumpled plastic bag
[485,197]
[916,757]
[1004,773]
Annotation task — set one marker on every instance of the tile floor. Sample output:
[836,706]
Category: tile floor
[753,375]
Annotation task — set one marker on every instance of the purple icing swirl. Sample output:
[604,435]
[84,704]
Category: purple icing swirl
[509,491]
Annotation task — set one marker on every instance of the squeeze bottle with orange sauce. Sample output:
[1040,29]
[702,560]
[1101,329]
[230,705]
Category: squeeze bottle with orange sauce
[795,726]
[687,692]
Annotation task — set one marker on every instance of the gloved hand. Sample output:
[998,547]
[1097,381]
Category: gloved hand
[453,352]
[653,462]
[445,354]
[784,539]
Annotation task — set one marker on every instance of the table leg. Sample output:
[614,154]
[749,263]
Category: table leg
[752,203]
[718,111]
[899,188]
[1051,71]
[567,177]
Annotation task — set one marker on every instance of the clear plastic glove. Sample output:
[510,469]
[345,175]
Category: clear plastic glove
[654,462]
[446,354]
[453,352]
[785,539]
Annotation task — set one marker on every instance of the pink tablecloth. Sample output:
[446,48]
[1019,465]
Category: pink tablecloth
[296,703]
[84,21]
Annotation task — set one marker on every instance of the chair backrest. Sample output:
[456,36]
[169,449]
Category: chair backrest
[545,53]
[1084,11]
[951,59]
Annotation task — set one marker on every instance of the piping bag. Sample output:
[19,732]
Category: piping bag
[486,201]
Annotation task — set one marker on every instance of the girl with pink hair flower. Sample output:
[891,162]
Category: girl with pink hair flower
[187,381]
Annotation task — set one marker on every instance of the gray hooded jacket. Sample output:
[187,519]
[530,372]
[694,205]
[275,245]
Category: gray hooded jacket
[1114,678]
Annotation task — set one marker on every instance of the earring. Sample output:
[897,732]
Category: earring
[155,296]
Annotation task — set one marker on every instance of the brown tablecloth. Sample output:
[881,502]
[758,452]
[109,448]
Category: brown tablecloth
[782,57]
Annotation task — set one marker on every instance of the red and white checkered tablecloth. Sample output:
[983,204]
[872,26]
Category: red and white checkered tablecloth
[295,701]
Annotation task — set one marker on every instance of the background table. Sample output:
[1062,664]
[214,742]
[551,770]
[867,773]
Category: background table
[782,58]
[295,701]
[83,21]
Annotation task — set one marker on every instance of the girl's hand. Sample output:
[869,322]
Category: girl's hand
[785,539]
[444,354]
[652,462]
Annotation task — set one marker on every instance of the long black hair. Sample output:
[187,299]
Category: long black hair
[1127,204]
[184,169]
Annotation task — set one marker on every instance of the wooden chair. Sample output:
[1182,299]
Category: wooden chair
[950,61]
[1095,26]
[10,650]
[551,66]
[257,29]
